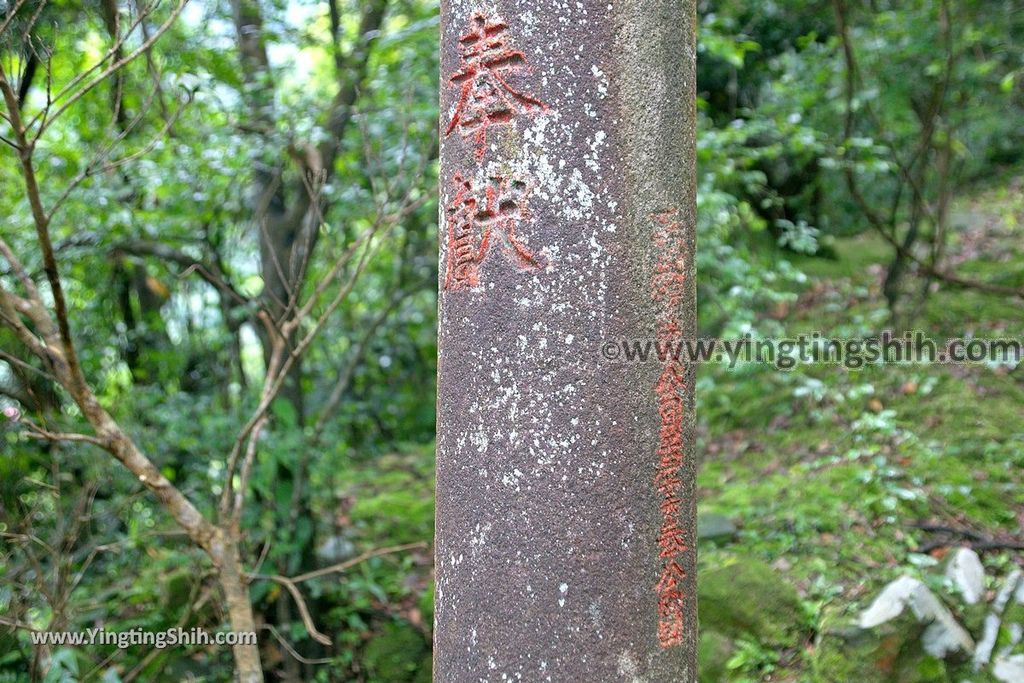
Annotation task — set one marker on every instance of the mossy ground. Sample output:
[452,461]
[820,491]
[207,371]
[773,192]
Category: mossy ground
[829,471]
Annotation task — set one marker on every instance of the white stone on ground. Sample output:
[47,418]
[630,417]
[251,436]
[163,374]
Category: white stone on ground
[983,653]
[1009,669]
[968,575]
[942,636]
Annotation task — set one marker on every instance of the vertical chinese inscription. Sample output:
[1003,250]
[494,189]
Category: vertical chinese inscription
[485,96]
[668,291]
[481,213]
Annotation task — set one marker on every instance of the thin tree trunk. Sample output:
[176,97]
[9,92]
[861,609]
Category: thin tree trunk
[236,596]
[892,288]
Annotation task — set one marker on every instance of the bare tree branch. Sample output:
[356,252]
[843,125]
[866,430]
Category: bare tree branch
[359,559]
[345,375]
[291,650]
[209,271]
[300,602]
[282,362]
[117,65]
[37,432]
[99,163]
[291,584]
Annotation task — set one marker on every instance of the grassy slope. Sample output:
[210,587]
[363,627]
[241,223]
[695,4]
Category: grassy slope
[825,469]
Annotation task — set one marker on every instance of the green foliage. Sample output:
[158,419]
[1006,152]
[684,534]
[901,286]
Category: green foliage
[821,468]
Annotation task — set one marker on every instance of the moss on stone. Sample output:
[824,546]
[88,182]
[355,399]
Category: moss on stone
[965,673]
[914,666]
[890,653]
[397,655]
[845,652]
[747,598]
[713,653]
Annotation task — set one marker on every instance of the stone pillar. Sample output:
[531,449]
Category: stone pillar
[566,534]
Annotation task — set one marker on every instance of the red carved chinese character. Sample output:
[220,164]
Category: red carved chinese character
[671,618]
[672,540]
[485,96]
[671,506]
[671,578]
[667,482]
[474,225]
[668,292]
[463,267]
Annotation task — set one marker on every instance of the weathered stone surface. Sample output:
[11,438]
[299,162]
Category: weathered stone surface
[335,548]
[712,527]
[567,154]
[1009,668]
[942,637]
[1008,663]
[748,599]
[967,574]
